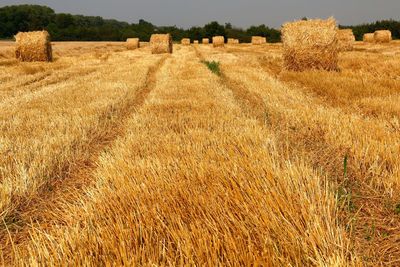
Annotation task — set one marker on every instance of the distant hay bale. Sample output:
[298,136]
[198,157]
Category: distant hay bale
[132,43]
[218,41]
[205,41]
[196,42]
[185,41]
[161,43]
[368,38]
[311,44]
[233,41]
[33,46]
[384,36]
[346,39]
[258,40]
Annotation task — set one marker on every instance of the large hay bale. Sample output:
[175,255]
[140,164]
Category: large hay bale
[258,40]
[196,42]
[132,43]
[384,36]
[218,41]
[33,46]
[185,41]
[346,39]
[311,44]
[368,38]
[161,43]
[205,41]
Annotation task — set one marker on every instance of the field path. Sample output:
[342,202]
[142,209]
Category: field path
[39,208]
[306,127]
[195,180]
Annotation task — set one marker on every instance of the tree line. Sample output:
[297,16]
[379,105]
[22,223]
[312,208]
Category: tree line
[360,30]
[67,27]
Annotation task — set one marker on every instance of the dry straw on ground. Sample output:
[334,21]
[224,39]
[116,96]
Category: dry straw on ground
[346,39]
[384,36]
[185,41]
[33,46]
[132,43]
[205,41]
[218,41]
[311,44]
[258,40]
[161,43]
[368,38]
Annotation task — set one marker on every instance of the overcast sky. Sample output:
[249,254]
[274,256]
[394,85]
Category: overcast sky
[243,13]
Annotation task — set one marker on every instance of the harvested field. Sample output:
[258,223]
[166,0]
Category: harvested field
[122,156]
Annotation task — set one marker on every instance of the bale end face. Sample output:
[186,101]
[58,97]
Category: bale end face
[258,40]
[218,41]
[205,41]
[161,43]
[311,44]
[383,36]
[233,41]
[132,43]
[346,39]
[185,41]
[33,46]
[368,38]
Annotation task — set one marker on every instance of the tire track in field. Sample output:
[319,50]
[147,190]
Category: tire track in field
[77,175]
[362,207]
[251,103]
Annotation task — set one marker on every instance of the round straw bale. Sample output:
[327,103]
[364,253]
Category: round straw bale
[185,41]
[233,41]
[196,42]
[161,43]
[33,46]
[311,44]
[258,40]
[383,36]
[205,41]
[346,39]
[218,41]
[368,38]
[132,43]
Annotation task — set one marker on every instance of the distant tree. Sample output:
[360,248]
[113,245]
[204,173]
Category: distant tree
[272,35]
[214,29]
[195,33]
[67,27]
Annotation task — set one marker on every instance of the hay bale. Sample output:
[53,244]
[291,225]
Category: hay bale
[33,46]
[368,38]
[311,44]
[383,36]
[346,39]
[132,43]
[258,40]
[161,43]
[233,41]
[196,42]
[218,41]
[205,41]
[185,41]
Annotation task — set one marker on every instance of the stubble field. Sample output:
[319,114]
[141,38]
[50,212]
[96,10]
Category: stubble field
[116,157]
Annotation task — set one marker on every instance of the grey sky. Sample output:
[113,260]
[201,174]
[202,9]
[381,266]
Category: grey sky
[186,13]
